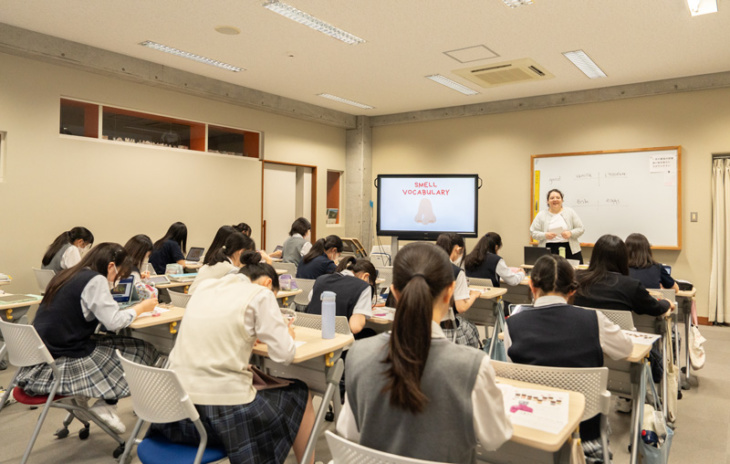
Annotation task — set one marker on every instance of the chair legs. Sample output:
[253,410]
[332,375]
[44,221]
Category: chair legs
[42,418]
[131,441]
[604,438]
[8,390]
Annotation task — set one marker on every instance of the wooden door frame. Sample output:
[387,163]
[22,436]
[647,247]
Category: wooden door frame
[313,213]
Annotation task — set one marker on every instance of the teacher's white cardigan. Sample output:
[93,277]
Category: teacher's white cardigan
[541,223]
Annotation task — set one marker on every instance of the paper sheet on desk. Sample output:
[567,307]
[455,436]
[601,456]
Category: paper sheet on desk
[383,313]
[299,343]
[536,409]
[157,310]
[641,338]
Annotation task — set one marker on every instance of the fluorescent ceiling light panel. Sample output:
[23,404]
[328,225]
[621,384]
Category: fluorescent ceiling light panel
[190,56]
[345,101]
[585,64]
[452,84]
[516,3]
[308,20]
[700,7]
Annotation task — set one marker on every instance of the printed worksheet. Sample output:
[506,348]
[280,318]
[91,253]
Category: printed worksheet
[536,409]
[642,338]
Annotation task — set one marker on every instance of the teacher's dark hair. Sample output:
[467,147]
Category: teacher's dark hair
[421,272]
[178,232]
[553,273]
[487,244]
[137,248]
[609,255]
[554,190]
[218,241]
[322,245]
[98,260]
[69,236]
[639,249]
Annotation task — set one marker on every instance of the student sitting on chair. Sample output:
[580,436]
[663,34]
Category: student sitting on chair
[321,258]
[643,267]
[227,259]
[244,228]
[453,245]
[554,333]
[138,249]
[354,284]
[484,262]
[171,248]
[218,241]
[75,302]
[66,250]
[410,391]
[223,320]
[297,244]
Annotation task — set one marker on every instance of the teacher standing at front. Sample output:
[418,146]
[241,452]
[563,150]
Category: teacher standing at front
[558,228]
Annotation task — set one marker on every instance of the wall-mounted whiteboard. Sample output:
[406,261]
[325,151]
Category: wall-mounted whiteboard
[617,193]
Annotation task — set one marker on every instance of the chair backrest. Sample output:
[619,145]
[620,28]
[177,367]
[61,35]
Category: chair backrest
[157,395]
[623,319]
[290,268]
[25,347]
[590,381]
[314,321]
[179,299]
[385,273]
[347,452]
[306,285]
[43,277]
[477,282]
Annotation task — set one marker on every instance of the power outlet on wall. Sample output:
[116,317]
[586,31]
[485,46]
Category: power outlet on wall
[693,217]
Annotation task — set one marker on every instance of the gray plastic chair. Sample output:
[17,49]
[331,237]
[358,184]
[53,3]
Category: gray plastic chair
[179,299]
[302,299]
[290,268]
[43,278]
[347,452]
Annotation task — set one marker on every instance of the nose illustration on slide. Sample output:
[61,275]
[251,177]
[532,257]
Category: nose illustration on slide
[425,212]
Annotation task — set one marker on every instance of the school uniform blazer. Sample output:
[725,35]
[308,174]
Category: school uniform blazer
[617,291]
[540,226]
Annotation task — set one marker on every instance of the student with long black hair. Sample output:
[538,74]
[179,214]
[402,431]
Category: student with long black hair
[66,250]
[244,228]
[218,241]
[223,320]
[643,267]
[75,302]
[321,258]
[171,248]
[138,249]
[354,284]
[557,334]
[226,259]
[484,262]
[412,383]
[453,245]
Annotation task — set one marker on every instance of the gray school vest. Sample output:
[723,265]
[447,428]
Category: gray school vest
[55,263]
[444,431]
[292,250]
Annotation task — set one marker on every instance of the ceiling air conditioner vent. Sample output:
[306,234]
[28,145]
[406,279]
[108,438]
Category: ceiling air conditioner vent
[510,72]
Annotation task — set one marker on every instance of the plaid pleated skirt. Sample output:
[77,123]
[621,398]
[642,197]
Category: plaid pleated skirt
[98,375]
[260,432]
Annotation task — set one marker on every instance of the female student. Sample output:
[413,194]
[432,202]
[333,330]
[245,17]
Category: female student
[643,267]
[244,228]
[453,245]
[226,259]
[484,263]
[558,227]
[222,322]
[171,248]
[556,334]
[410,391]
[75,302]
[138,249]
[321,258]
[297,244]
[218,241]
[354,284]
[607,285]
[65,251]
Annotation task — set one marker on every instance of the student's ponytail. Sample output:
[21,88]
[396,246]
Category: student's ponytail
[421,272]
[69,236]
[253,268]
[553,274]
[322,245]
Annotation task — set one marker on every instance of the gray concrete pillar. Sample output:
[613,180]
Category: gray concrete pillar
[359,183]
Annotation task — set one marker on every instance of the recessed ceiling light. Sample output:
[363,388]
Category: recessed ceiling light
[308,20]
[585,64]
[228,30]
[443,80]
[700,7]
[190,56]
[345,101]
[516,3]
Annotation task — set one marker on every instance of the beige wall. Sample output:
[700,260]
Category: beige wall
[498,148]
[52,182]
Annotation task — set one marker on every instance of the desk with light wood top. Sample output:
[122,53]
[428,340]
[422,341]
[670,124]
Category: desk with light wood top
[315,345]
[175,284]
[5,282]
[13,311]
[484,309]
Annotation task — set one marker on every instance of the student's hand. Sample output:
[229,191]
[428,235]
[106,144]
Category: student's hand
[550,235]
[566,234]
[290,326]
[276,254]
[265,257]
[145,305]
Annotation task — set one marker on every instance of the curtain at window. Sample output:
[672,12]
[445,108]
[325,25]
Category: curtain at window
[719,304]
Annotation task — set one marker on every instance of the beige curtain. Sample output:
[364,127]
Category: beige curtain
[719,304]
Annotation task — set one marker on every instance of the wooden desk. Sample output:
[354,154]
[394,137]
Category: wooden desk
[175,284]
[280,271]
[532,445]
[193,266]
[5,282]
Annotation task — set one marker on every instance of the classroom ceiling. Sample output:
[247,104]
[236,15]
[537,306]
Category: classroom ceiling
[633,41]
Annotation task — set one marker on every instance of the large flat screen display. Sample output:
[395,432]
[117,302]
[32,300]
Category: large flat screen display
[420,207]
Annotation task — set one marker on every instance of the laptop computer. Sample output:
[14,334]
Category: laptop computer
[532,254]
[124,293]
[195,254]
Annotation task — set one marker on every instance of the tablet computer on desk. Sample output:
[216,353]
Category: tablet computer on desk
[124,292]
[158,279]
[195,254]
[532,254]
